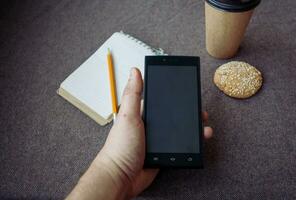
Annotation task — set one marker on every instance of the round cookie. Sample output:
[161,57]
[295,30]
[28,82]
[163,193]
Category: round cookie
[238,79]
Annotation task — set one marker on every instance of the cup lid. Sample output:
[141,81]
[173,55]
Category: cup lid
[234,5]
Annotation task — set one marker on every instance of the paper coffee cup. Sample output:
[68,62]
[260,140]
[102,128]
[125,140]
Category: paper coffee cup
[226,23]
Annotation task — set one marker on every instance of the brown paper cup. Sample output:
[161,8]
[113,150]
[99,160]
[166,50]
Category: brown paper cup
[224,31]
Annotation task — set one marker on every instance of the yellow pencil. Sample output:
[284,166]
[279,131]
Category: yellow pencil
[112,84]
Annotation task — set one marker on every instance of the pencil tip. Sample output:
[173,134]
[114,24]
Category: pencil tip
[109,51]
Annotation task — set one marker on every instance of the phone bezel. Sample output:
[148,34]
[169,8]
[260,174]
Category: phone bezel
[181,159]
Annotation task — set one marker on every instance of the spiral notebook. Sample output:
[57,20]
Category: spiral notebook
[87,88]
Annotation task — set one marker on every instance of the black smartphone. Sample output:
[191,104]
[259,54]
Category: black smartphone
[172,112]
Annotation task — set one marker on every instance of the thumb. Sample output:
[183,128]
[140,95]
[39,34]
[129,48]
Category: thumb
[131,99]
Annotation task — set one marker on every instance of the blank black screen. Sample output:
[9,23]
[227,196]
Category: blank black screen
[172,124]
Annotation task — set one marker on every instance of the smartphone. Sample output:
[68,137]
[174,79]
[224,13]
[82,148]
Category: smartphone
[172,112]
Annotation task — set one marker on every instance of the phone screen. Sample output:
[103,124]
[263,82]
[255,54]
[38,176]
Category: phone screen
[172,111]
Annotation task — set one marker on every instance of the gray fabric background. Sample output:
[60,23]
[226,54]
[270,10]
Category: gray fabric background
[46,143]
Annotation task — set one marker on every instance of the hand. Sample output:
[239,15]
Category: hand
[125,145]
[117,171]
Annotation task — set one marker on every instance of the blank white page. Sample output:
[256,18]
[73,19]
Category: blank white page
[90,82]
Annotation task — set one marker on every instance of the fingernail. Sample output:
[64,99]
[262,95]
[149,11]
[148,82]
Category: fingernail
[132,72]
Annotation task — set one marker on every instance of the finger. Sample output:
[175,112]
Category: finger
[143,180]
[208,132]
[130,103]
[205,116]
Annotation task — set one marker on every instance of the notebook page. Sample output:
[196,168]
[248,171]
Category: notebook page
[125,60]
[90,82]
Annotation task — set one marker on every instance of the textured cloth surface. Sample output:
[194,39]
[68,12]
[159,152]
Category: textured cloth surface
[46,143]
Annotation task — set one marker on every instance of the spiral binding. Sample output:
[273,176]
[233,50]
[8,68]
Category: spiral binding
[157,51]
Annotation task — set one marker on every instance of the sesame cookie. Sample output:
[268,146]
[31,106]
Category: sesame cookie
[238,79]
